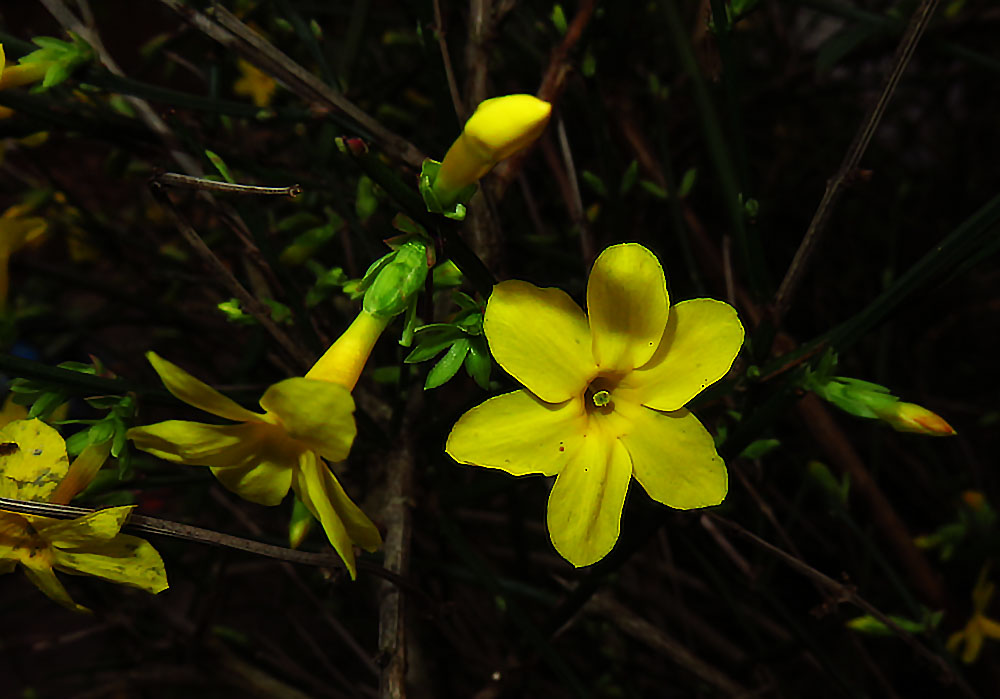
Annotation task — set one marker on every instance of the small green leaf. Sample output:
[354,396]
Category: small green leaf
[448,365]
[219,165]
[430,346]
[654,189]
[759,448]
[477,362]
[595,183]
[559,19]
[687,182]
[102,432]
[77,442]
[629,178]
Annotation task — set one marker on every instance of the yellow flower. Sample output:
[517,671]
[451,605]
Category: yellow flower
[305,420]
[910,417]
[498,128]
[34,466]
[604,398]
[254,83]
[16,231]
[979,626]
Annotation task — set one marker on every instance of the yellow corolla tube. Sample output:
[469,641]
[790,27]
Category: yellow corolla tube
[500,127]
[343,362]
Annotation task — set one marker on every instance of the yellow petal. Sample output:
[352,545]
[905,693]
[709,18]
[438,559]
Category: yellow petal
[125,559]
[198,444]
[973,643]
[311,485]
[266,475]
[585,504]
[990,628]
[674,458]
[87,530]
[41,574]
[81,472]
[519,434]
[540,337]
[954,641]
[627,306]
[699,345]
[199,394]
[501,126]
[33,460]
[319,414]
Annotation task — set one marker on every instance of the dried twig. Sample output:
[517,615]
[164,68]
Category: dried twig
[846,593]
[655,637]
[848,167]
[234,35]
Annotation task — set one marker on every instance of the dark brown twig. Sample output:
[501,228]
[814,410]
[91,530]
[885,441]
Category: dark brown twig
[848,168]
[254,307]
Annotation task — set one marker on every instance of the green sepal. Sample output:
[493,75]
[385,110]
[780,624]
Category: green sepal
[428,173]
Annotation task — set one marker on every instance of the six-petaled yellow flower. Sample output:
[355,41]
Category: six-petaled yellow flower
[254,83]
[34,466]
[979,626]
[604,396]
[305,420]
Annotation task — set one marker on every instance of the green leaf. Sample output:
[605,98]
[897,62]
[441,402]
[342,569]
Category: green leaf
[102,432]
[220,165]
[46,403]
[759,448]
[478,363]
[448,365]
[77,442]
[430,346]
[595,183]
[629,178]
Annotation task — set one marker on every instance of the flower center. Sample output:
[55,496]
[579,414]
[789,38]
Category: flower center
[599,395]
[601,398]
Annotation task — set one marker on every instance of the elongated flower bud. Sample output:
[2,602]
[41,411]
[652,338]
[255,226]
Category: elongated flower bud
[500,127]
[910,417]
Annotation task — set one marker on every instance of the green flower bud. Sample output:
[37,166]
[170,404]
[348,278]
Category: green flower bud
[399,280]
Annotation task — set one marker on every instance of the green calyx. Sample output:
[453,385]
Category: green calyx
[450,205]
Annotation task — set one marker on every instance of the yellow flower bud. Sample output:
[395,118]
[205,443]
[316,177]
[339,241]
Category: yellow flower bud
[500,127]
[910,417]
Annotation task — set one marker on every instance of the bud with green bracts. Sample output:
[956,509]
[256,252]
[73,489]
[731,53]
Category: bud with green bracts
[398,280]
[499,128]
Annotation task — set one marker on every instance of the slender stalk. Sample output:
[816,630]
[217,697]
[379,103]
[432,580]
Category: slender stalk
[846,173]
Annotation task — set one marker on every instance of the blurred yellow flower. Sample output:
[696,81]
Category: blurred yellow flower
[305,420]
[254,83]
[979,626]
[604,397]
[16,231]
[498,128]
[34,466]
